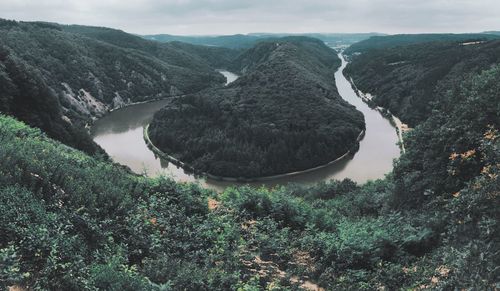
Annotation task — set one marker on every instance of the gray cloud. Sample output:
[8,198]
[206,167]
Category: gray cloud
[243,16]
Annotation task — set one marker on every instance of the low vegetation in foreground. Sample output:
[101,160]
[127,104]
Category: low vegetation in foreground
[69,221]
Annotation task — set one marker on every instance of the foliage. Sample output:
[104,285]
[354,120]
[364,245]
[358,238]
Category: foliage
[283,115]
[408,80]
[445,152]
[71,229]
[9,267]
[26,95]
[58,78]
[382,42]
[180,54]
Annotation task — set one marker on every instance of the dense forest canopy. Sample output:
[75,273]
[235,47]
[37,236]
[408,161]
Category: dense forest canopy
[237,41]
[176,53]
[283,114]
[59,77]
[409,79]
[384,42]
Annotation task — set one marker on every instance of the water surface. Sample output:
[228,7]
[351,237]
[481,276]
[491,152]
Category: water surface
[120,135]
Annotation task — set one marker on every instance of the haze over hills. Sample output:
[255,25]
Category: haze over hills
[493,32]
[382,42]
[241,41]
[237,41]
[408,79]
[251,128]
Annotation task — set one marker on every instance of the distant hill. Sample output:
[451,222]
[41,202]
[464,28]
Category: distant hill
[59,77]
[409,79]
[176,53]
[242,41]
[331,39]
[383,42]
[237,41]
[216,57]
[492,32]
[283,114]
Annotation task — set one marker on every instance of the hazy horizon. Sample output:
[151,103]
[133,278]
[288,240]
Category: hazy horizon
[227,17]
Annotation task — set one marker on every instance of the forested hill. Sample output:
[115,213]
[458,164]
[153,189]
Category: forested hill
[408,79]
[59,77]
[245,41]
[383,42]
[283,114]
[237,41]
[176,53]
[301,52]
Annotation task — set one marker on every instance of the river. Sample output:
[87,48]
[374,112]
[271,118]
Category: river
[120,134]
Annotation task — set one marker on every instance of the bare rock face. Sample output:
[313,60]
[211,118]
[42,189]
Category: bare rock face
[84,102]
[118,101]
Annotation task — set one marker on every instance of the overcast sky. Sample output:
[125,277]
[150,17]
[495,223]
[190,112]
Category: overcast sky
[244,16]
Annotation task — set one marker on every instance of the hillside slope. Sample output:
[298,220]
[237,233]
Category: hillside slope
[176,53]
[390,41]
[408,79]
[283,114]
[78,73]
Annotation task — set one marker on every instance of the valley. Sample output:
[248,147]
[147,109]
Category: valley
[285,103]
[120,134]
[86,205]
[79,73]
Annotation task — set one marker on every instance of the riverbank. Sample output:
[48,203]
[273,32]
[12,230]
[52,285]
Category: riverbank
[121,134]
[395,121]
[88,126]
[229,78]
[187,167]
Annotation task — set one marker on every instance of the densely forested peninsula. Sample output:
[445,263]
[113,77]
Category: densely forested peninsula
[59,77]
[283,114]
[408,79]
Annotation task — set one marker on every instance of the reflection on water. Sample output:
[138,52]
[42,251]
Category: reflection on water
[120,134]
